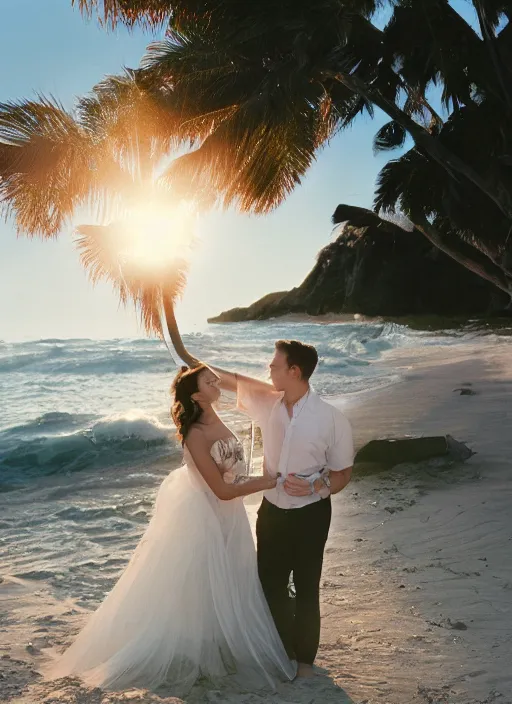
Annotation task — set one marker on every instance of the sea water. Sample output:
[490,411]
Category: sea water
[86,438]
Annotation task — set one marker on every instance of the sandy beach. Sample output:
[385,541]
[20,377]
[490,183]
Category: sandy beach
[417,582]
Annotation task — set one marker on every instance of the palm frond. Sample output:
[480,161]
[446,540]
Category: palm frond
[405,185]
[257,125]
[206,80]
[102,253]
[362,218]
[53,161]
[46,174]
[494,11]
[390,136]
[253,159]
[149,14]
[132,116]
[99,247]
[418,187]
[430,43]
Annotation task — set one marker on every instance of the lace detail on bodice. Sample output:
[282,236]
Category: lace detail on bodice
[228,455]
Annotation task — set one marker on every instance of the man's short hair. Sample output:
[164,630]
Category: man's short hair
[300,355]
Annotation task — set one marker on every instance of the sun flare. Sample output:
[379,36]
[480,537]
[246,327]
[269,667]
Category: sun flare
[153,236]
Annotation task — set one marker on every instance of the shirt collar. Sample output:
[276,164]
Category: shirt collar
[303,400]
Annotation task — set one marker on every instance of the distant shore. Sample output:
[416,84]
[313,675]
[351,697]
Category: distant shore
[433,323]
[417,579]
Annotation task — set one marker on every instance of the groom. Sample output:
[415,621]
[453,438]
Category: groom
[307,443]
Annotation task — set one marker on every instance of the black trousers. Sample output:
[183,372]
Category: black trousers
[293,540]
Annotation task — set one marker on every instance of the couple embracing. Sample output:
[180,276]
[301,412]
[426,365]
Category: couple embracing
[195,599]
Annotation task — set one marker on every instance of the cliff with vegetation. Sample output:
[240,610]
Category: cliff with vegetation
[376,267]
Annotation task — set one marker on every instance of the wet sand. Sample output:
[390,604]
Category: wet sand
[417,582]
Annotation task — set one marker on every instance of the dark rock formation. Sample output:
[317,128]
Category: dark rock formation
[375,267]
[395,451]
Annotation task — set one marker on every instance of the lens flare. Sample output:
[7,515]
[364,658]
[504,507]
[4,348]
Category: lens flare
[153,236]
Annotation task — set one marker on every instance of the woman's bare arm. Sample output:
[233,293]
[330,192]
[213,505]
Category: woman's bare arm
[199,447]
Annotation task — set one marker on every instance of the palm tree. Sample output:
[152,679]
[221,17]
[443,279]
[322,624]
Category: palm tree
[265,90]
[147,13]
[106,156]
[257,90]
[460,246]
[319,63]
[451,212]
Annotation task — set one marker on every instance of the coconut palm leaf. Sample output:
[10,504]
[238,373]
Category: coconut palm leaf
[102,255]
[431,43]
[105,155]
[205,82]
[493,11]
[139,123]
[256,89]
[257,156]
[44,169]
[51,164]
[390,136]
[362,217]
[443,218]
[421,189]
[53,161]
[258,126]
[394,182]
[120,99]
[413,184]
[150,14]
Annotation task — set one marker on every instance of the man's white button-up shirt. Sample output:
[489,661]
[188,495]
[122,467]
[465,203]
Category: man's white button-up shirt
[317,436]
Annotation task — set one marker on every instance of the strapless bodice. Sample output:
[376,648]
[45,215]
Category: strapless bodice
[228,455]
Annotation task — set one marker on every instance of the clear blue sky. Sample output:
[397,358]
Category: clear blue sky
[46,47]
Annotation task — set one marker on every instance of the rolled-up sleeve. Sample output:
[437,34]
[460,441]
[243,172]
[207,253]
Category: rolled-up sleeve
[255,398]
[340,453]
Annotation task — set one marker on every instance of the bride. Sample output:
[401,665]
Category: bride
[189,604]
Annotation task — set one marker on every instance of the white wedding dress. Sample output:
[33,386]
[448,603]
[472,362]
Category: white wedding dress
[189,604]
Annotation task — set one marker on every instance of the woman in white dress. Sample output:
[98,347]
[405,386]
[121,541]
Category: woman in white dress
[189,604]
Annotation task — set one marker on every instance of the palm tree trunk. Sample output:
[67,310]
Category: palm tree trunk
[465,254]
[432,146]
[413,93]
[489,38]
[174,333]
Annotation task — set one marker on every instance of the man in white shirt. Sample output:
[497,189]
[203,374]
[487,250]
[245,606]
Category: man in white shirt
[302,435]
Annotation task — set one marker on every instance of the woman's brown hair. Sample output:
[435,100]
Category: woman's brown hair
[185,411]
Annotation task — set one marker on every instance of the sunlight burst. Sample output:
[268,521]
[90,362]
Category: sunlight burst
[153,236]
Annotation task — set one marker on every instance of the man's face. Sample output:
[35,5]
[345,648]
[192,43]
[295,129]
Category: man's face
[280,373]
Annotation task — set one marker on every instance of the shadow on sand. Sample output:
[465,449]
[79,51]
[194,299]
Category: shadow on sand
[320,689]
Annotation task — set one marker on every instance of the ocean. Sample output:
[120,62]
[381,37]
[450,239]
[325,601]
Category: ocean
[86,438]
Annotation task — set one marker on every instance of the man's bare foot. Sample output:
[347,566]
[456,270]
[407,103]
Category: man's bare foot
[304,670]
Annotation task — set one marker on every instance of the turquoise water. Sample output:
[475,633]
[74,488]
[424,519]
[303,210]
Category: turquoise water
[85,435]
[68,405]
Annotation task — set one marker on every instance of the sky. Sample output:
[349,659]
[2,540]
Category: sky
[48,48]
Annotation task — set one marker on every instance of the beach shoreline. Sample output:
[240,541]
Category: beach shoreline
[417,580]
[500,324]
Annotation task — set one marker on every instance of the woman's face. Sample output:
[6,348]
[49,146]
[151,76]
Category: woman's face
[208,387]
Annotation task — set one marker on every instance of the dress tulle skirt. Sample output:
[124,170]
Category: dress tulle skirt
[188,605]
